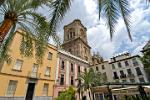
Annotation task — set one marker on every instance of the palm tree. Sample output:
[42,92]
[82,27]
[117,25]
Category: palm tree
[88,80]
[80,89]
[1,2]
[22,14]
[112,10]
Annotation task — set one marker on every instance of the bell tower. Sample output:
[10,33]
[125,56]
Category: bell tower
[75,40]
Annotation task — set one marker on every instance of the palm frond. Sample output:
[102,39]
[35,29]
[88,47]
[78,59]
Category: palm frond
[26,46]
[36,3]
[124,7]
[111,13]
[1,2]
[100,3]
[41,41]
[59,8]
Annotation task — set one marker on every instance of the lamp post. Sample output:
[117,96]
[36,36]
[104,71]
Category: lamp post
[109,93]
[142,93]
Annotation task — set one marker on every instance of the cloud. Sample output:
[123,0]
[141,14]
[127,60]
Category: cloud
[98,33]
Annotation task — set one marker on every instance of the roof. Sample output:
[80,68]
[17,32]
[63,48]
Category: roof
[75,40]
[76,21]
[72,56]
[147,45]
[125,59]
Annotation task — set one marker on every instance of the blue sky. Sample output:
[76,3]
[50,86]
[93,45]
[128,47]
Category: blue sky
[98,34]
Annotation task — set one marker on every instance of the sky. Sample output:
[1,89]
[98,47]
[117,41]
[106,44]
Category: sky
[98,33]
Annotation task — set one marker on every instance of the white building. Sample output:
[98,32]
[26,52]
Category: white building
[123,68]
[127,68]
[105,69]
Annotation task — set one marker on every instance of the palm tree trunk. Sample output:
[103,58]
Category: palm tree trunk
[4,28]
[89,93]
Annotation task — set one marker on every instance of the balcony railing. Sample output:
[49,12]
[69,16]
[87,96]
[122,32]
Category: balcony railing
[116,77]
[131,75]
[123,76]
[35,75]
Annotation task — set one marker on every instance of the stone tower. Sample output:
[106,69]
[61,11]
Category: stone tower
[75,40]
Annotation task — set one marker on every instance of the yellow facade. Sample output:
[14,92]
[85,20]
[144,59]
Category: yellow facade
[23,76]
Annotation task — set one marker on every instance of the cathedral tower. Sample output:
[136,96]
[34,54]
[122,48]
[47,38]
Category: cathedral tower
[75,40]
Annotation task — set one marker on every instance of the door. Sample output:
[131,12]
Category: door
[30,91]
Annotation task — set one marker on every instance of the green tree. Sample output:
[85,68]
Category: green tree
[146,61]
[1,2]
[69,94]
[111,9]
[22,14]
[89,79]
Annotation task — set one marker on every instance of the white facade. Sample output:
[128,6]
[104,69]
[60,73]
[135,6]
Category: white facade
[123,68]
[128,69]
[105,69]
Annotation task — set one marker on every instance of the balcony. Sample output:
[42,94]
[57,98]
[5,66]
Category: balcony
[115,77]
[131,75]
[123,76]
[34,75]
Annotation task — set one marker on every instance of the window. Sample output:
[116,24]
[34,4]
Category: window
[71,34]
[74,34]
[138,71]
[121,72]
[132,80]
[70,50]
[78,69]
[72,82]
[18,65]
[103,67]
[68,36]
[62,79]
[34,70]
[126,63]
[119,65]
[122,75]
[97,68]
[135,63]
[72,69]
[11,88]
[104,76]
[129,71]
[49,56]
[85,69]
[141,79]
[47,71]
[45,89]
[62,65]
[115,75]
[113,66]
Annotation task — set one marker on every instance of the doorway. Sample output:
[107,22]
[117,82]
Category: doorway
[30,91]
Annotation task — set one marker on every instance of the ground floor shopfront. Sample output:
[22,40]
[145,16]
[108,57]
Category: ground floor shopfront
[128,93]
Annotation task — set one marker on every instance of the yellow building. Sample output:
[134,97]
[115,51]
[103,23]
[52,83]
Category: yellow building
[23,78]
